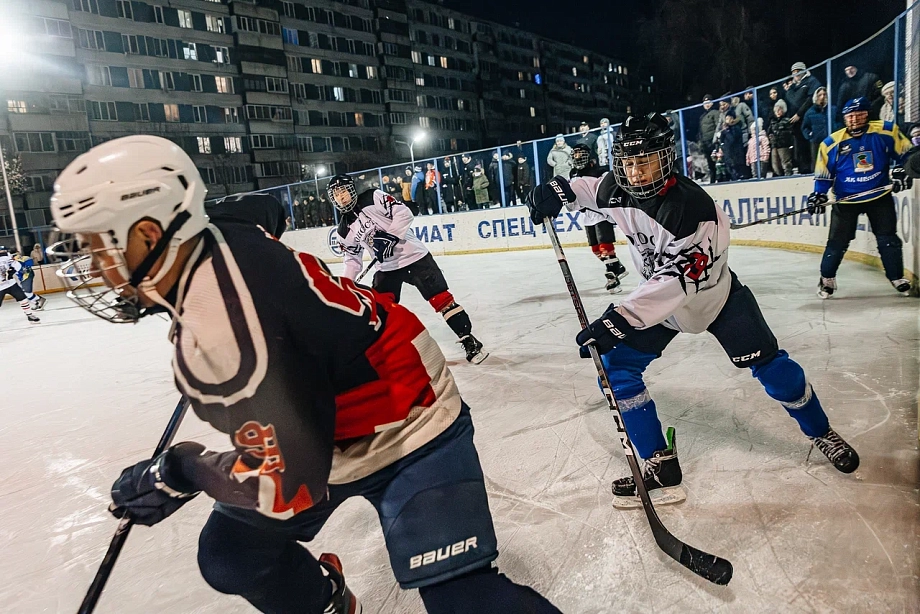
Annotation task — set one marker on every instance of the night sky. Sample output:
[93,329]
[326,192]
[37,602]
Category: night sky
[674,40]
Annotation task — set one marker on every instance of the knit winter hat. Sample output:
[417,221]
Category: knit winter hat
[888,87]
[799,66]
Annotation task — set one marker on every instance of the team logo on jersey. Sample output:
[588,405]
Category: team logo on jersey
[862,162]
[333,242]
[845,149]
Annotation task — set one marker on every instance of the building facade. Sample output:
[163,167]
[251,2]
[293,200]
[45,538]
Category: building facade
[266,92]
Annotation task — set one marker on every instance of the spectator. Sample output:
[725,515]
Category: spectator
[605,138]
[390,187]
[298,216]
[418,191]
[731,141]
[311,212]
[709,124]
[450,192]
[587,137]
[560,158]
[523,179]
[495,183]
[324,208]
[799,95]
[758,148]
[766,109]
[38,256]
[466,180]
[480,188]
[814,126]
[673,118]
[913,134]
[432,181]
[779,131]
[508,178]
[405,187]
[856,84]
[745,118]
[883,108]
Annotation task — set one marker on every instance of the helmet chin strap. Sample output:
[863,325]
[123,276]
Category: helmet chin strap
[137,278]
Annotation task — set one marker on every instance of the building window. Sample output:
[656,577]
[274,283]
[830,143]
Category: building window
[424,122]
[290,36]
[166,81]
[158,14]
[214,23]
[157,47]
[103,111]
[420,81]
[204,146]
[91,39]
[87,6]
[136,78]
[56,27]
[451,23]
[359,119]
[231,115]
[443,62]
[523,93]
[131,43]
[207,173]
[38,142]
[196,83]
[536,62]
[171,111]
[338,93]
[141,112]
[316,66]
[124,9]
[201,116]
[574,71]
[72,141]
[16,106]
[416,57]
[533,112]
[221,55]
[397,118]
[224,85]
[262,141]
[98,75]
[190,51]
[288,8]
[371,72]
[233,144]
[431,60]
[420,101]
[185,18]
[276,85]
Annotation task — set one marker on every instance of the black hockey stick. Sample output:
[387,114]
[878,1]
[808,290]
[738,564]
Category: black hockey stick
[124,526]
[711,567]
[797,211]
[366,271]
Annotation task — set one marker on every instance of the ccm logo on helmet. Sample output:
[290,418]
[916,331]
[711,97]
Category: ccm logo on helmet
[441,554]
[746,357]
[131,195]
[633,143]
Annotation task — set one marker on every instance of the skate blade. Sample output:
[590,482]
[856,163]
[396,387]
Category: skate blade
[478,358]
[615,290]
[659,496]
[623,274]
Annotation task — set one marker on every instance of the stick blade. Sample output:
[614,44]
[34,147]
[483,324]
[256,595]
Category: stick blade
[713,568]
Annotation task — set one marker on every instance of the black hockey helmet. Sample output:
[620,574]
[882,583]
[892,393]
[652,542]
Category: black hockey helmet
[342,193]
[644,152]
[581,155]
[856,115]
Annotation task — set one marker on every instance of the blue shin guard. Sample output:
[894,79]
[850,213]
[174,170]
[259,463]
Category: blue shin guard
[624,367]
[784,380]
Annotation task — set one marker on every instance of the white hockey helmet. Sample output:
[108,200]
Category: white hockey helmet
[105,192]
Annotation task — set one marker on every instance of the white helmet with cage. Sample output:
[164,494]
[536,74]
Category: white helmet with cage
[104,193]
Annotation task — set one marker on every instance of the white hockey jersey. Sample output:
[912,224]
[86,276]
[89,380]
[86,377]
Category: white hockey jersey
[678,241]
[8,268]
[377,210]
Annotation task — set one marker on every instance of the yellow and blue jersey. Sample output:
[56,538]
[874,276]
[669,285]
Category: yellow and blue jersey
[854,164]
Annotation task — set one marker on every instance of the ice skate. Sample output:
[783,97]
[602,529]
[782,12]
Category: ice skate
[617,267]
[343,601]
[613,282]
[39,304]
[901,285]
[473,347]
[662,477]
[827,286]
[33,319]
[839,452]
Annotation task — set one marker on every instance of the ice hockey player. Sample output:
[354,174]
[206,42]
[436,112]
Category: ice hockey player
[25,276]
[601,236]
[9,269]
[857,159]
[328,390]
[678,239]
[381,223]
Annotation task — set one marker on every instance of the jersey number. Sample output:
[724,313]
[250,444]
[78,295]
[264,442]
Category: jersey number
[697,266]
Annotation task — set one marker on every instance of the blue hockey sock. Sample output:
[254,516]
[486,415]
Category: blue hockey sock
[642,424]
[784,380]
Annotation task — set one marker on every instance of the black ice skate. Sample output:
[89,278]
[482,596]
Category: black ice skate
[839,452]
[473,347]
[343,601]
[33,319]
[617,267]
[40,303]
[901,285]
[614,273]
[662,477]
[827,286]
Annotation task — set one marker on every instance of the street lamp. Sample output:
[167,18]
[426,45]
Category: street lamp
[419,136]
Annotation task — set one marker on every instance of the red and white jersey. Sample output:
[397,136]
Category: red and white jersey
[678,241]
[314,379]
[377,210]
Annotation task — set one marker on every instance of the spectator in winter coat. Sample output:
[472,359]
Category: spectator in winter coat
[508,178]
[814,126]
[38,256]
[494,178]
[588,138]
[758,147]
[745,118]
[858,84]
[731,140]
[418,186]
[779,131]
[560,158]
[604,140]
[766,108]
[466,180]
[883,108]
[324,210]
[709,124]
[432,181]
[523,179]
[450,185]
[480,188]
[799,96]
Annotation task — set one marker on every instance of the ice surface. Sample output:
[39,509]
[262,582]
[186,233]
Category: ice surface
[84,398]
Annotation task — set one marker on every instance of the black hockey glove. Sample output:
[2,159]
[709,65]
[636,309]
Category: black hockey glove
[816,203]
[548,199]
[151,490]
[384,245]
[605,333]
[900,180]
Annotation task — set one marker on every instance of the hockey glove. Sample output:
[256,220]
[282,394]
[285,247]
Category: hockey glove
[816,203]
[548,199]
[384,245]
[151,490]
[900,180]
[605,333]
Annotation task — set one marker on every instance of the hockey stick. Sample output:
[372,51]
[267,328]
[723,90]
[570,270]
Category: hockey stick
[797,211]
[124,526]
[708,566]
[366,270]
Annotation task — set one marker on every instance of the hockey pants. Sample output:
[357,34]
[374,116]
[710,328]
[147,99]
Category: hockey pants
[883,221]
